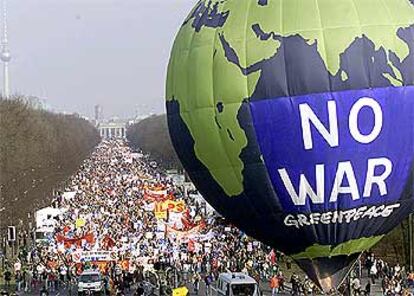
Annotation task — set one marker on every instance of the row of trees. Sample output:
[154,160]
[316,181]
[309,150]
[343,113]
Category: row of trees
[38,151]
[395,247]
[151,135]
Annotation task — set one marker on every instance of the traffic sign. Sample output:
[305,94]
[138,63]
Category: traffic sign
[11,233]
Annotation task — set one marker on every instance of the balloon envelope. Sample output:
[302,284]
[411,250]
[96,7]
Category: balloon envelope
[294,120]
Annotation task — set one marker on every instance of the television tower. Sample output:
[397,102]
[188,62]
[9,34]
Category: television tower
[5,55]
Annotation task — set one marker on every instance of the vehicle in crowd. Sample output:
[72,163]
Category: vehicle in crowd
[91,282]
[236,284]
[46,217]
[46,220]
[42,235]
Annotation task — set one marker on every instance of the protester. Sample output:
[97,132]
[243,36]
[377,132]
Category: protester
[274,285]
[7,277]
[394,279]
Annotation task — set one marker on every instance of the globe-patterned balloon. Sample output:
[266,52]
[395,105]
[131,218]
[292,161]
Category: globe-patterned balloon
[294,120]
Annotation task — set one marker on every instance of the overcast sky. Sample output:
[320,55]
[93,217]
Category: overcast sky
[79,53]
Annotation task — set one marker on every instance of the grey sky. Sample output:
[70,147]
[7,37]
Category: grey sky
[78,53]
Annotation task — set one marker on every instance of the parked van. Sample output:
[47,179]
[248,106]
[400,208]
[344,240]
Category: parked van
[236,284]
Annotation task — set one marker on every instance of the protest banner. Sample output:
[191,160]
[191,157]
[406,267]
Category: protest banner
[93,256]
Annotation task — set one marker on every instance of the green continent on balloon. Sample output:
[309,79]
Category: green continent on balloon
[347,248]
[211,81]
[201,78]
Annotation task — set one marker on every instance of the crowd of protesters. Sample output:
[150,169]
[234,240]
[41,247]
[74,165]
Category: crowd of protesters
[394,280]
[113,209]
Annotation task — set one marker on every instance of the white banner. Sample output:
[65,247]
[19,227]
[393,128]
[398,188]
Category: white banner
[93,256]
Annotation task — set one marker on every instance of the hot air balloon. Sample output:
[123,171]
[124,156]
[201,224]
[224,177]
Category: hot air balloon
[294,120]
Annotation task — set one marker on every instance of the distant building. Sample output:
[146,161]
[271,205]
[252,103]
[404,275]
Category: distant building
[141,117]
[37,103]
[112,129]
[98,113]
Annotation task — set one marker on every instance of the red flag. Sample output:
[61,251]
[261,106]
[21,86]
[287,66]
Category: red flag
[191,246]
[89,238]
[272,256]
